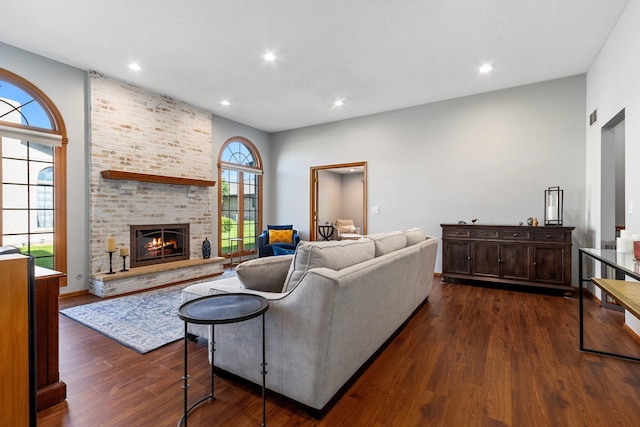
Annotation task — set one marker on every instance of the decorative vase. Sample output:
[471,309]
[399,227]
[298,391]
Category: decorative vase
[206,248]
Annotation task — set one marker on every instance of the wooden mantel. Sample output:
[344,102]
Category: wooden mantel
[160,179]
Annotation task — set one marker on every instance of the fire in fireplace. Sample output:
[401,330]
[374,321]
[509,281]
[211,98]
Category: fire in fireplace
[159,243]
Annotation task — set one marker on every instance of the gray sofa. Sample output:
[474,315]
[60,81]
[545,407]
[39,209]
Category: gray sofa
[340,301]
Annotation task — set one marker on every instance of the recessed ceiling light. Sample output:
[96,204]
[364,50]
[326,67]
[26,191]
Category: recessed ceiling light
[338,103]
[486,68]
[225,102]
[269,56]
[135,67]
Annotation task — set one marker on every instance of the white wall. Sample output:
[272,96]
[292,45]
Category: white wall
[488,156]
[613,84]
[66,87]
[352,194]
[329,197]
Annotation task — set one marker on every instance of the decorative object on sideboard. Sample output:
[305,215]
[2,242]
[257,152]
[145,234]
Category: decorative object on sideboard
[530,221]
[111,248]
[553,206]
[625,243]
[206,248]
[124,253]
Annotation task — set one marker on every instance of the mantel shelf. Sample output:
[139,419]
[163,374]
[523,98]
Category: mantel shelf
[160,179]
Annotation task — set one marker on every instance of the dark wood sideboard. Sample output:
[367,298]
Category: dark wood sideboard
[51,389]
[510,254]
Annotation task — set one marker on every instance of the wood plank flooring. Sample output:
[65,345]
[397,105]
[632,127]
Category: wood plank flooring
[471,356]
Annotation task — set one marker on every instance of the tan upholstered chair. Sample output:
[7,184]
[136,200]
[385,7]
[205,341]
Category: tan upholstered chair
[347,230]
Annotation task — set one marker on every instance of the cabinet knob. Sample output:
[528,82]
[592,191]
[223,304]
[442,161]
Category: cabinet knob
[548,236]
[515,234]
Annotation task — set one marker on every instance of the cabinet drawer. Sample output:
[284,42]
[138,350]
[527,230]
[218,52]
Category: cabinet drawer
[484,234]
[452,232]
[516,235]
[550,236]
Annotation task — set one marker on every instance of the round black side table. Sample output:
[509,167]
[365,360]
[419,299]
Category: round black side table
[219,309]
[326,231]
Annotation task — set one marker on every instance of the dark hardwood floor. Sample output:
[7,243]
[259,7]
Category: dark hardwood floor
[471,356]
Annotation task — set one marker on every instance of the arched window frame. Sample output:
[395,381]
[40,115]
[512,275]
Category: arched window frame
[59,161]
[257,169]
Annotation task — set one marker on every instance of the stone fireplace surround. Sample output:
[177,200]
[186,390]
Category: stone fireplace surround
[150,162]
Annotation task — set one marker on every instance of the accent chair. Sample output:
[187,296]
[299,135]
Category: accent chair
[284,237]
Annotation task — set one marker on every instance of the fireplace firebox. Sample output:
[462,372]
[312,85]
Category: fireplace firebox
[159,243]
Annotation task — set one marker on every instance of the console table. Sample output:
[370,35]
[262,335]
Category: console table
[510,254]
[625,293]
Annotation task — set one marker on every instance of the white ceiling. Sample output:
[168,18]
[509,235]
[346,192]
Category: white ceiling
[377,55]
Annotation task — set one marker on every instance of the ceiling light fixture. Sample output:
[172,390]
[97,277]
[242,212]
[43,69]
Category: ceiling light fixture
[338,103]
[269,56]
[486,68]
[225,103]
[135,67]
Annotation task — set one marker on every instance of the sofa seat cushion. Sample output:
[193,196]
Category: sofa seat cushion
[265,274]
[388,242]
[332,254]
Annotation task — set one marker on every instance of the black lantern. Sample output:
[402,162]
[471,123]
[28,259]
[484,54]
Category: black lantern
[553,206]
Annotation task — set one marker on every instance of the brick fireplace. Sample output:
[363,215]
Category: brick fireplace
[151,163]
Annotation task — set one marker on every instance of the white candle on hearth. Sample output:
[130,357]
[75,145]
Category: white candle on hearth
[111,244]
[124,251]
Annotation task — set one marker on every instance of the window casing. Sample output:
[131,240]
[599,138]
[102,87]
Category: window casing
[33,172]
[240,196]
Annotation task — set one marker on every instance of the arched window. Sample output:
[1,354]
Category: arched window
[33,150]
[240,195]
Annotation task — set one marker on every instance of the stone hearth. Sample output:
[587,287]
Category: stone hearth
[153,276]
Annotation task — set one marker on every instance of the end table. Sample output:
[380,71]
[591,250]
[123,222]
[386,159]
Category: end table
[219,309]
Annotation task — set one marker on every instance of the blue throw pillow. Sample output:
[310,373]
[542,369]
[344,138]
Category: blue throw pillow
[277,250]
[280,227]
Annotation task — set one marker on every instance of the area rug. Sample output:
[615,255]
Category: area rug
[142,322]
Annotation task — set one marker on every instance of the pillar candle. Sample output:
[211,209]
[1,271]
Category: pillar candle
[124,251]
[626,234]
[111,244]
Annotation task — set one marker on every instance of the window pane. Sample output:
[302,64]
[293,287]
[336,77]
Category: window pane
[19,106]
[15,221]
[14,196]
[14,171]
[39,170]
[14,148]
[40,152]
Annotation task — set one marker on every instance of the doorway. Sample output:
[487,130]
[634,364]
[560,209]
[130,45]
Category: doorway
[612,194]
[612,173]
[338,191]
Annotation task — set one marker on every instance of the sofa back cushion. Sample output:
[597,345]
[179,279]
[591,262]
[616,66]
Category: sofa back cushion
[415,235]
[335,255]
[264,274]
[388,242]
